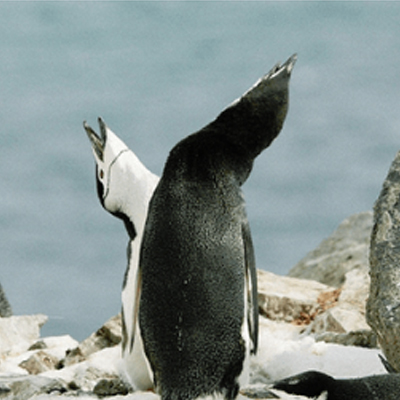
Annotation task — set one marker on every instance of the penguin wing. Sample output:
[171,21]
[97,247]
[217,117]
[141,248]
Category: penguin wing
[138,290]
[251,286]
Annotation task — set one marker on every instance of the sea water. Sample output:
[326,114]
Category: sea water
[156,72]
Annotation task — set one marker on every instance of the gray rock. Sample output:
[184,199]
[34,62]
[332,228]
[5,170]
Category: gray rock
[355,291]
[87,377]
[329,314]
[383,307]
[39,362]
[18,333]
[109,335]
[345,322]
[282,298]
[5,308]
[346,249]
[258,392]
[362,338]
[335,319]
[110,387]
[26,387]
[39,345]
[4,389]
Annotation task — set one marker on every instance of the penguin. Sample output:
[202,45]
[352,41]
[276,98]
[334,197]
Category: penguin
[124,188]
[198,311]
[317,385]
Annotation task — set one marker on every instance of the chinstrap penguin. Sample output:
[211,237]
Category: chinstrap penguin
[124,188]
[317,385]
[198,309]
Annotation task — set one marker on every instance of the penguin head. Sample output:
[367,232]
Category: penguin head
[311,384]
[124,184]
[107,149]
[255,119]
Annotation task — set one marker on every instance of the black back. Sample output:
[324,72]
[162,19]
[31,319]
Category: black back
[197,250]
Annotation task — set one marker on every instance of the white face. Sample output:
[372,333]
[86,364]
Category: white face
[107,149]
[114,148]
[124,184]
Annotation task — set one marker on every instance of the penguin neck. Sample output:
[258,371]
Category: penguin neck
[131,186]
[246,127]
[208,157]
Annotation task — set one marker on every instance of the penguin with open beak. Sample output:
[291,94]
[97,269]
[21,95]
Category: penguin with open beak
[124,187]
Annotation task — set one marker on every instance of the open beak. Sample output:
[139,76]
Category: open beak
[98,142]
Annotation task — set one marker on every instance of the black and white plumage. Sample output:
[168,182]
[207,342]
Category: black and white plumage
[197,276]
[124,187]
[317,385]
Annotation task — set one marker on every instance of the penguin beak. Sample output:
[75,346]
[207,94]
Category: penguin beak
[289,64]
[277,74]
[98,142]
[286,67]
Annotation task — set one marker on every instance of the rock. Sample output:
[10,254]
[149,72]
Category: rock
[342,262]
[83,376]
[355,291]
[258,392]
[345,323]
[5,308]
[337,319]
[383,307]
[87,377]
[346,249]
[362,338]
[40,345]
[110,334]
[31,373]
[17,333]
[334,315]
[26,387]
[283,351]
[288,299]
[110,387]
[39,362]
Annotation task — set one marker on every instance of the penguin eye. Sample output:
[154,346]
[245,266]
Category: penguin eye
[101,174]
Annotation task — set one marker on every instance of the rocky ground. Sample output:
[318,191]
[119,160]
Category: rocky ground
[305,324]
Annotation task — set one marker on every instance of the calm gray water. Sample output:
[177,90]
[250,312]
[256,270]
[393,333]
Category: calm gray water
[157,71]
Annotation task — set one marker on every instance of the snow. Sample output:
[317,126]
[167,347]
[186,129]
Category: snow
[284,351]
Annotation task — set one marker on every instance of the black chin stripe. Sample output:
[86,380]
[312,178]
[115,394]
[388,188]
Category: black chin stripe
[129,226]
[100,189]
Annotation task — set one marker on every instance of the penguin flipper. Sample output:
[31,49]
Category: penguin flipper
[251,286]
[138,290]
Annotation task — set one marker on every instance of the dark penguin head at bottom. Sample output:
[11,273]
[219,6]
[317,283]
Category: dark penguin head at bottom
[317,385]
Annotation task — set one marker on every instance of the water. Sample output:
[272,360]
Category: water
[157,71]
